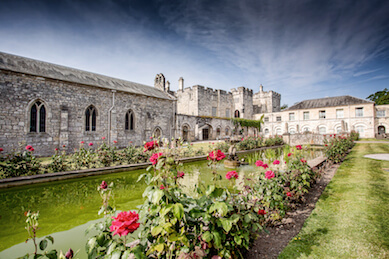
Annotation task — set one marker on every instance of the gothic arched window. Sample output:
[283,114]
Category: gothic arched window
[129,121]
[38,117]
[90,118]
[237,114]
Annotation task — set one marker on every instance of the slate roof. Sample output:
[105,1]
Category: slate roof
[48,70]
[328,102]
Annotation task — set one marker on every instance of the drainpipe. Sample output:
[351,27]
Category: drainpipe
[109,116]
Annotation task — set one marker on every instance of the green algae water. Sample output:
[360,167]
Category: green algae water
[68,207]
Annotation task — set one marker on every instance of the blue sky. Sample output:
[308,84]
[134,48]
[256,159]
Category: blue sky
[300,49]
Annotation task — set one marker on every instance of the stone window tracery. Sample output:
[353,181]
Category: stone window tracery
[38,117]
[129,120]
[90,118]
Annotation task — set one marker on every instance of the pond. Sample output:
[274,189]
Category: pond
[68,207]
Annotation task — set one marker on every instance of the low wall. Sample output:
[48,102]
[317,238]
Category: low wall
[303,139]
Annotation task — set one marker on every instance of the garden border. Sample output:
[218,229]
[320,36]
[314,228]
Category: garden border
[50,177]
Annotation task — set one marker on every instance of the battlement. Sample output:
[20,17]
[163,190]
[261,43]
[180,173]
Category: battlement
[243,90]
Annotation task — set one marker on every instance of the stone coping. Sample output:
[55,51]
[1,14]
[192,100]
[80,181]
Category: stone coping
[42,178]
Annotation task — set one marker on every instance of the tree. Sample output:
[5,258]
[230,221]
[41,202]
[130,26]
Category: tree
[380,97]
[283,107]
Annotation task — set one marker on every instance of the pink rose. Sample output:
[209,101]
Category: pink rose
[298,147]
[32,149]
[69,254]
[161,187]
[103,185]
[180,174]
[28,147]
[259,163]
[154,158]
[265,166]
[289,154]
[125,223]
[288,194]
[54,149]
[276,162]
[303,160]
[102,138]
[231,174]
[216,155]
[150,145]
[269,174]
[82,142]
[90,144]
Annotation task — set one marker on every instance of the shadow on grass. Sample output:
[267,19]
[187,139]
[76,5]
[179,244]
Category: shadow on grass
[303,244]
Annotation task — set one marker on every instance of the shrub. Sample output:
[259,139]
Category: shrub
[58,162]
[20,163]
[336,147]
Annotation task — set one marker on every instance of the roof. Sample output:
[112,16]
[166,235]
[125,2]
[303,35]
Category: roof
[48,70]
[328,102]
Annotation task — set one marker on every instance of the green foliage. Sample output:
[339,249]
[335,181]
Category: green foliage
[354,135]
[248,123]
[19,163]
[380,97]
[58,162]
[83,158]
[336,147]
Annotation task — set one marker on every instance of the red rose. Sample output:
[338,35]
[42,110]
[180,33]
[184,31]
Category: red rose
[1,149]
[103,138]
[28,147]
[298,147]
[265,166]
[303,160]
[150,145]
[90,144]
[289,154]
[103,185]
[288,194]
[180,174]
[261,212]
[231,174]
[216,155]
[32,149]
[82,142]
[115,142]
[269,174]
[154,158]
[124,223]
[161,187]
[276,162]
[54,149]
[259,163]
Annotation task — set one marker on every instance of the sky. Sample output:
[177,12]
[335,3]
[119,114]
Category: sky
[300,49]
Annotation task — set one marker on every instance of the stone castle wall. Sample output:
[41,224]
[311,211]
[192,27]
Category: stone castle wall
[65,104]
[267,101]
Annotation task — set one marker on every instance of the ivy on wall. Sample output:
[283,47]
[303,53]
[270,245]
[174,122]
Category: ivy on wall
[248,123]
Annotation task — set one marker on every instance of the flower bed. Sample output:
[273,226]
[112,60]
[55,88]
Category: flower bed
[24,163]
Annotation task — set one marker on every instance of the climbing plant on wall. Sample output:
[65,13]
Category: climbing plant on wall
[248,123]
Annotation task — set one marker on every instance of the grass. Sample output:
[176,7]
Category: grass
[373,139]
[351,218]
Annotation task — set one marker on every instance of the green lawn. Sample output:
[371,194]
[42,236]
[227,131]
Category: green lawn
[351,219]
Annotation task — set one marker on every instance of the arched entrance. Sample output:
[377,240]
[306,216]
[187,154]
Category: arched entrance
[157,133]
[185,133]
[381,130]
[206,132]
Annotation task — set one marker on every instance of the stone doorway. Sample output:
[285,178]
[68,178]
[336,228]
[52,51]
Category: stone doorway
[185,133]
[381,130]
[205,134]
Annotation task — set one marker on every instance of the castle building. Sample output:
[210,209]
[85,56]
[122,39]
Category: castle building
[50,106]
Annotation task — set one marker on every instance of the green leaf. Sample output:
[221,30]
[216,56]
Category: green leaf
[157,195]
[156,230]
[50,238]
[210,189]
[165,210]
[226,224]
[207,236]
[111,248]
[178,210]
[116,254]
[238,239]
[220,207]
[159,247]
[126,254]
[43,244]
[52,254]
[173,237]
[217,239]
[90,245]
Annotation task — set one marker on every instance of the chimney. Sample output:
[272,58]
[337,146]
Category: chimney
[167,86]
[181,84]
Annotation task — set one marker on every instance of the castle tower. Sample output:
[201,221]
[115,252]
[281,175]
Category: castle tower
[159,82]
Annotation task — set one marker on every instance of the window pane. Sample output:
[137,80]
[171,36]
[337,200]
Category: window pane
[87,119]
[339,113]
[33,118]
[278,118]
[131,121]
[42,119]
[291,116]
[322,114]
[306,115]
[94,119]
[358,112]
[127,122]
